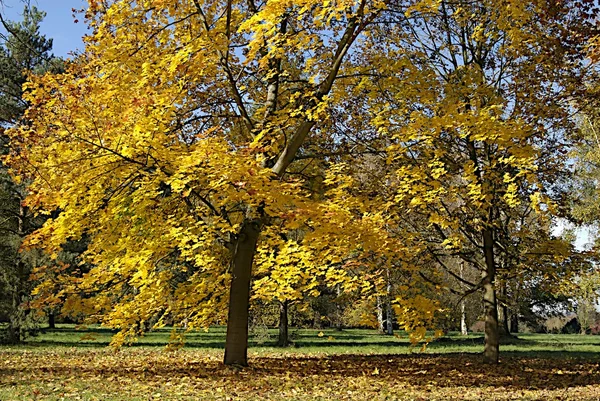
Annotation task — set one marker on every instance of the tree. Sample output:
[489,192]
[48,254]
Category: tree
[176,182]
[23,51]
[586,294]
[286,273]
[475,100]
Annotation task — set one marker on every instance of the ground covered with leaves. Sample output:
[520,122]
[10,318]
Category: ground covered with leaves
[91,372]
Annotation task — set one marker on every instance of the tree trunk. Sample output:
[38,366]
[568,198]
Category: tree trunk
[463,319]
[51,321]
[283,324]
[503,313]
[13,336]
[339,324]
[514,323]
[15,320]
[389,312]
[389,317]
[491,349]
[503,320]
[236,343]
[505,330]
[463,314]
[380,322]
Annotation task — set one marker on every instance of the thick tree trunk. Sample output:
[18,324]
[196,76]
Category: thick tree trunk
[236,343]
[463,319]
[283,325]
[51,321]
[380,321]
[491,349]
[492,336]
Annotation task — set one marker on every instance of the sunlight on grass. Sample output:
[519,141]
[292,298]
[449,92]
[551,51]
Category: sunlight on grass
[65,364]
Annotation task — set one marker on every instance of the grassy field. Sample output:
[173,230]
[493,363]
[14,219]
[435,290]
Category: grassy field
[65,364]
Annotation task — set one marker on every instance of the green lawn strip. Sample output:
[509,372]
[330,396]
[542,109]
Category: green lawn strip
[353,364]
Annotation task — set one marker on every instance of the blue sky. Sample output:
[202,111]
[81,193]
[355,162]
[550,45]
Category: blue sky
[58,23]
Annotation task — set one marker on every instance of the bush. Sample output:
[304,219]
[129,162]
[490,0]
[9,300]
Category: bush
[555,324]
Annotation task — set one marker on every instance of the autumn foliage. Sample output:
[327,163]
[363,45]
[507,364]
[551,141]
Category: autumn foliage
[323,142]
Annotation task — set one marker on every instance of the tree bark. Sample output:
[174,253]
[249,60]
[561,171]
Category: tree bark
[389,317]
[283,325]
[514,323]
[463,319]
[380,322]
[503,313]
[236,343]
[339,311]
[389,312]
[491,349]
[51,321]
[463,314]
[503,320]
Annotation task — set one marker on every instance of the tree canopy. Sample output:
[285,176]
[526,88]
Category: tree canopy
[192,139]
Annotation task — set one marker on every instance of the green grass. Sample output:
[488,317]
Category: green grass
[353,364]
[328,342]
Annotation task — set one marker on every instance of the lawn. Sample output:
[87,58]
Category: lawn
[65,364]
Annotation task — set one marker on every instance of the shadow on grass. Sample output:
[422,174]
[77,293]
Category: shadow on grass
[212,344]
[367,343]
[433,350]
[465,341]
[554,354]
[450,370]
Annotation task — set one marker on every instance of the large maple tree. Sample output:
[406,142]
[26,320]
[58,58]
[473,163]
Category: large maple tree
[191,135]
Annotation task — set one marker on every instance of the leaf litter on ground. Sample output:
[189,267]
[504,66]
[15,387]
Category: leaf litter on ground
[141,374]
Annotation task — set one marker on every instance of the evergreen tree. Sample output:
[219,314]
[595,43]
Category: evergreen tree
[23,50]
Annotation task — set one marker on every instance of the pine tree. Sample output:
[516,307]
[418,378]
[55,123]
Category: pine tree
[23,50]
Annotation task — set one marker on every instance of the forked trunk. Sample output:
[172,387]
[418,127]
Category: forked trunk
[236,343]
[283,325]
[491,349]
